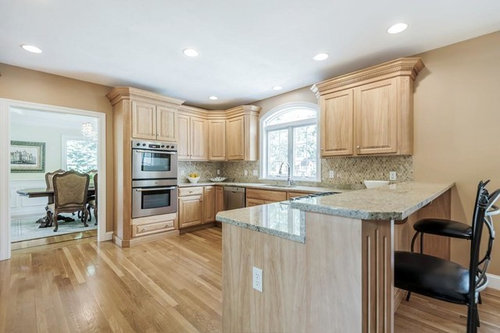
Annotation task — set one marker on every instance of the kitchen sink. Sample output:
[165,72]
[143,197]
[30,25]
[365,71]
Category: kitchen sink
[281,185]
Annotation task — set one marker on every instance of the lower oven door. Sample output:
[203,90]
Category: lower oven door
[147,201]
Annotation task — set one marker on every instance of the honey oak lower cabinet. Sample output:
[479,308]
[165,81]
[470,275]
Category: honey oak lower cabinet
[153,224]
[256,197]
[208,204]
[219,199]
[190,208]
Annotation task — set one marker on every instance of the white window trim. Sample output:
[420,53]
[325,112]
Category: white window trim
[263,138]
[64,139]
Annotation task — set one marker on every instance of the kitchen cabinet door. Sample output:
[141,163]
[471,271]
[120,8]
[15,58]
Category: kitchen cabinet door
[208,204]
[235,138]
[217,140]
[337,123]
[183,137]
[199,139]
[255,202]
[375,109]
[166,124]
[190,211]
[219,199]
[143,120]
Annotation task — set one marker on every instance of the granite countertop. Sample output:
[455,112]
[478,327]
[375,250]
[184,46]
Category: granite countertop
[390,202]
[277,219]
[286,219]
[263,186]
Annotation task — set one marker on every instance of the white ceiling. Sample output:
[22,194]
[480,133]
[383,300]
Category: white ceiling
[246,47]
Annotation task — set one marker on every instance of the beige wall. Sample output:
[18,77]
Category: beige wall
[457,125]
[37,87]
[300,95]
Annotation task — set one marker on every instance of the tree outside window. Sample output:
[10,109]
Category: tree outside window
[80,154]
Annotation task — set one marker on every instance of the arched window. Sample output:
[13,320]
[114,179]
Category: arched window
[289,135]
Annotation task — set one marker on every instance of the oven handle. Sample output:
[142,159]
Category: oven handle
[155,152]
[155,189]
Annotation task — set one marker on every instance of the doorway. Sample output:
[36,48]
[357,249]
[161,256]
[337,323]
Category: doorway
[38,139]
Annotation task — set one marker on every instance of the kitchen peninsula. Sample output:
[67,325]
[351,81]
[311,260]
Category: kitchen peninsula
[327,262]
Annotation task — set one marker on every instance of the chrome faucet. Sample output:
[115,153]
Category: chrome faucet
[289,180]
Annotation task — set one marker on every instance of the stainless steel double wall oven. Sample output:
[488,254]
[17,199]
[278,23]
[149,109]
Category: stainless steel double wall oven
[154,178]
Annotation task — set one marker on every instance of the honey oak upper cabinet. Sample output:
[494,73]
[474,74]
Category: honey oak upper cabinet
[217,140]
[199,139]
[192,138]
[166,124]
[369,111]
[143,120]
[242,136]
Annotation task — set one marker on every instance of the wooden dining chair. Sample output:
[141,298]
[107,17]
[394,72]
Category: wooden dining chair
[70,195]
[92,200]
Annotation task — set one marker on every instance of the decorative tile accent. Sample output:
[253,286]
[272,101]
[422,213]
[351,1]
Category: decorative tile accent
[353,170]
[206,170]
[349,171]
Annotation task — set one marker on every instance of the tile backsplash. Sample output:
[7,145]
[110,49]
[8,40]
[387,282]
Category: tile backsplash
[348,171]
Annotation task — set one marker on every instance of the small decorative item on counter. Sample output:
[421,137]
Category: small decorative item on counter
[218,179]
[375,183]
[193,177]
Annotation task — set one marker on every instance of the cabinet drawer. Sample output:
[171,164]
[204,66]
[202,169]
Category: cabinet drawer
[255,202]
[266,195]
[184,191]
[150,225]
[296,194]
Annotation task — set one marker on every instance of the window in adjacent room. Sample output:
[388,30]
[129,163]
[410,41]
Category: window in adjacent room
[289,133]
[79,154]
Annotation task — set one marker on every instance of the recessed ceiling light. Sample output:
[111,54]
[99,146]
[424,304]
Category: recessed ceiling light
[277,87]
[31,48]
[321,56]
[397,28]
[213,98]
[190,52]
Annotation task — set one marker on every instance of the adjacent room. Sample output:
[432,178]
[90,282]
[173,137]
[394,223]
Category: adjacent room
[44,144]
[250,166]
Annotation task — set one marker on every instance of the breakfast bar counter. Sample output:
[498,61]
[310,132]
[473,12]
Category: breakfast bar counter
[327,262]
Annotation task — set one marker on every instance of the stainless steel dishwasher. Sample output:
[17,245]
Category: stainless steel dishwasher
[234,197]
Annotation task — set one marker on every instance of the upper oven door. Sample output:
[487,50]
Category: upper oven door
[152,164]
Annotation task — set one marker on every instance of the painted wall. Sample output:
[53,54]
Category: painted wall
[27,85]
[457,121]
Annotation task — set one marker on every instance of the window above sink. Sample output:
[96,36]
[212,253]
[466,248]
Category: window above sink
[289,133]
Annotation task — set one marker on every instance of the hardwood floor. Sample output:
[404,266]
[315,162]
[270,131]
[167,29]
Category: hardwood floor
[172,285]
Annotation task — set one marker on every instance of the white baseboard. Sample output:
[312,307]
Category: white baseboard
[493,281]
[107,236]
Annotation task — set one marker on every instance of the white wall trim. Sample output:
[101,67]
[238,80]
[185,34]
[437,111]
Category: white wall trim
[4,182]
[493,281]
[107,236]
[5,105]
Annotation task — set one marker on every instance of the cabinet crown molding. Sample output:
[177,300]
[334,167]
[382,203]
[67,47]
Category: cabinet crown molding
[118,94]
[410,66]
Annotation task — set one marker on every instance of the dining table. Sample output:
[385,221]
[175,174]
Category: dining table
[49,193]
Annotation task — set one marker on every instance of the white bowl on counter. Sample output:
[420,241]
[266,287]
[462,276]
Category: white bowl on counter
[193,180]
[218,179]
[375,183]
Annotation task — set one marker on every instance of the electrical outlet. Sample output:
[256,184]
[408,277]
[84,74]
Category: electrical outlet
[218,172]
[257,278]
[331,174]
[392,175]
[245,172]
[255,172]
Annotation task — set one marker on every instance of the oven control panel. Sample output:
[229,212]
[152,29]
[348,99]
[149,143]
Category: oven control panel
[154,145]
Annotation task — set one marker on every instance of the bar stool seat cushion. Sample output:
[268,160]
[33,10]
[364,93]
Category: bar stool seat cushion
[443,227]
[431,276]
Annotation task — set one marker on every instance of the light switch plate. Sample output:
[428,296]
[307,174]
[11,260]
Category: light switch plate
[257,278]
[392,175]
[331,174]
[245,172]
[218,172]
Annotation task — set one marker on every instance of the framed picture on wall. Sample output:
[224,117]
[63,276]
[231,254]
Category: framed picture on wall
[27,156]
